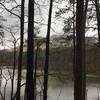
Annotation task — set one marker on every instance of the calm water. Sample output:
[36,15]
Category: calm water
[58,89]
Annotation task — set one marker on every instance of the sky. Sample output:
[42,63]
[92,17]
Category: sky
[12,23]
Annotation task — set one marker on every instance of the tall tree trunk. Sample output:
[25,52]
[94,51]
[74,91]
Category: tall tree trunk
[47,53]
[79,70]
[83,50]
[98,18]
[12,80]
[21,49]
[35,73]
[30,52]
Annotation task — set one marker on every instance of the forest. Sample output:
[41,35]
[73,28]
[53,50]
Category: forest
[49,49]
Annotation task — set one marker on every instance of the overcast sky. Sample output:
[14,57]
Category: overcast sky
[41,14]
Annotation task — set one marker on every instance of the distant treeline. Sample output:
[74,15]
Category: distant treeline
[61,59]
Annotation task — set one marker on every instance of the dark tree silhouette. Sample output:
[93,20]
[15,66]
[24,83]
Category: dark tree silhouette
[30,52]
[38,43]
[12,80]
[47,53]
[79,70]
[83,50]
[21,49]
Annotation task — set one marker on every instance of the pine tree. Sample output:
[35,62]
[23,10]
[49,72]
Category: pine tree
[30,52]
[47,53]
[21,49]
[79,70]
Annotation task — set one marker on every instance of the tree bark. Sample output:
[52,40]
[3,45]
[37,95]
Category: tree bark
[79,70]
[21,50]
[47,53]
[30,52]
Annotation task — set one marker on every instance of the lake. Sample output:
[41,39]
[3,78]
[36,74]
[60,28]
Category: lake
[59,88]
